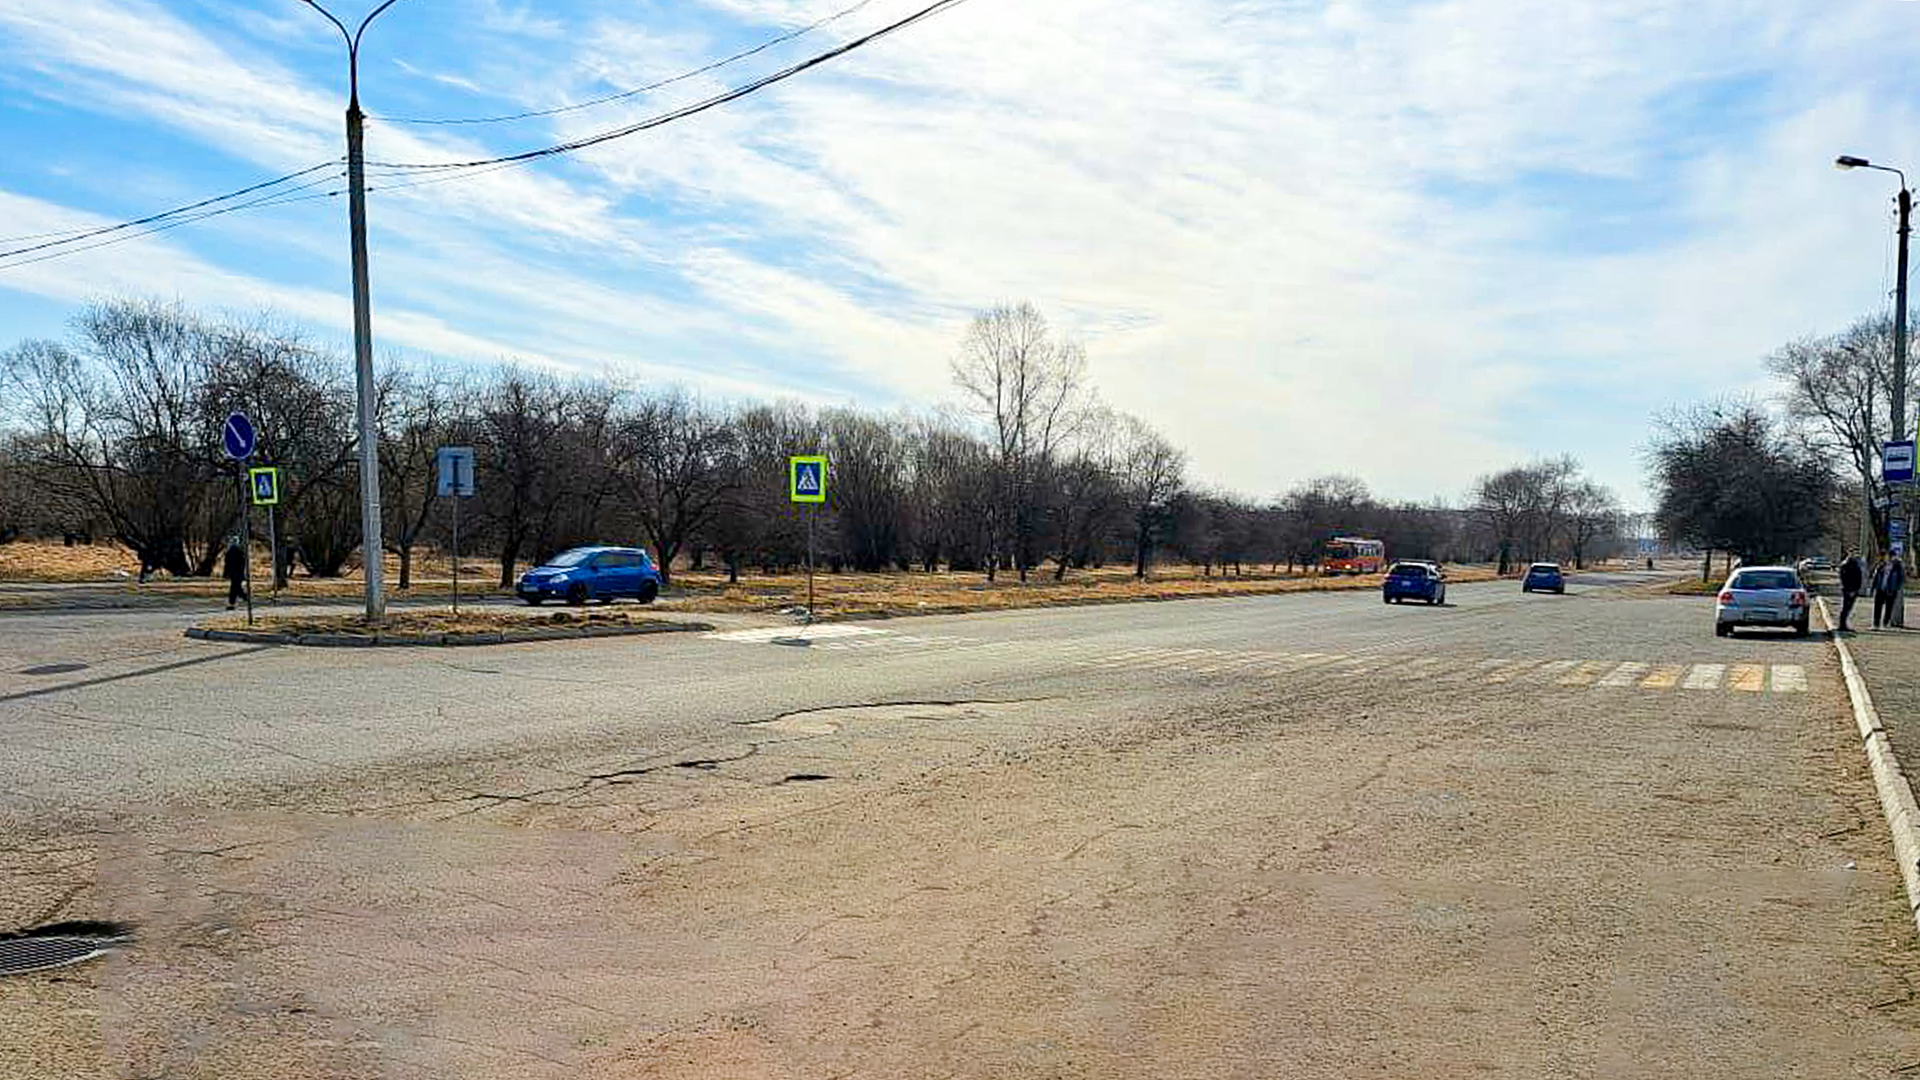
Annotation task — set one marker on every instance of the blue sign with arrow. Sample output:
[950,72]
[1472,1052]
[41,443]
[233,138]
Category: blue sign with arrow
[238,436]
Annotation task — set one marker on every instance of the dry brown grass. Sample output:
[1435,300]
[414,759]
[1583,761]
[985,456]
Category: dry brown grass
[432,621]
[39,560]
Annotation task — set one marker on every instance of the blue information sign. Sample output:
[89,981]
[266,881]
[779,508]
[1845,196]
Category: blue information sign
[238,437]
[1896,462]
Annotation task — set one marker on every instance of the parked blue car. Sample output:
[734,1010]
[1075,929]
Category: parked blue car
[1544,577]
[1414,581]
[592,573]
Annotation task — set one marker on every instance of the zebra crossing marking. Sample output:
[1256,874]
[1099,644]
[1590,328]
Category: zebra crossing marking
[1747,678]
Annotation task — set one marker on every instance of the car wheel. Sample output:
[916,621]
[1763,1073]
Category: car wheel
[1801,629]
[649,592]
[532,601]
[577,593]
[1526,588]
[1721,629]
[1561,591]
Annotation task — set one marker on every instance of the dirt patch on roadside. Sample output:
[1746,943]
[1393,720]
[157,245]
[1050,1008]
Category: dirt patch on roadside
[432,622]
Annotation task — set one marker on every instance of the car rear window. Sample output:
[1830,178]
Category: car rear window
[1545,568]
[1765,579]
[1410,570]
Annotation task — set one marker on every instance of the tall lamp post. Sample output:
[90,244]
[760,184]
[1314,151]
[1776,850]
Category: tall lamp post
[372,547]
[1899,394]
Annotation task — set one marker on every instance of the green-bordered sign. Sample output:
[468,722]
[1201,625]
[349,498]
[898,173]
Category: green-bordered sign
[807,479]
[265,485]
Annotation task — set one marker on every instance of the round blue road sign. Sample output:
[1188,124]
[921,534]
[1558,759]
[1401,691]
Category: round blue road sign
[238,436]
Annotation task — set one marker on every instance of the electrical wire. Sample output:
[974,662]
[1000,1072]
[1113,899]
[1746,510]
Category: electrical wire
[216,206]
[648,88]
[86,233]
[10,260]
[685,111]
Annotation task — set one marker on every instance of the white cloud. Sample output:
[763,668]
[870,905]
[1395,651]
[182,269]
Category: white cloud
[1250,213]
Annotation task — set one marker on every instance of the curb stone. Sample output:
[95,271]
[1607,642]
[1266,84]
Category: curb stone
[1896,795]
[496,637]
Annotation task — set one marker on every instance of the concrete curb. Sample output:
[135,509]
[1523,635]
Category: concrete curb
[498,637]
[1896,795]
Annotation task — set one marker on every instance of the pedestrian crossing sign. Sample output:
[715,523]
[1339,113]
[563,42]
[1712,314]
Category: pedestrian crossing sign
[265,483]
[807,479]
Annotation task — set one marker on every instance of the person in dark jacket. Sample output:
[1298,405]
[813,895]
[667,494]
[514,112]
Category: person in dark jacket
[235,568]
[1853,576]
[1888,578]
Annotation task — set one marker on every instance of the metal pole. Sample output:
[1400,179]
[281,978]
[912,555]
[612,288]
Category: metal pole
[246,540]
[456,547]
[1902,506]
[273,551]
[809,564]
[371,535]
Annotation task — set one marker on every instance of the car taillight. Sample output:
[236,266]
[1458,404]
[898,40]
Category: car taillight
[1727,597]
[1799,598]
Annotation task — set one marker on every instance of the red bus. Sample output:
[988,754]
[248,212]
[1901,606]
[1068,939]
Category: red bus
[1353,555]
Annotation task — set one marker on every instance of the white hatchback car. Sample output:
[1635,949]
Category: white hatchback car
[1761,596]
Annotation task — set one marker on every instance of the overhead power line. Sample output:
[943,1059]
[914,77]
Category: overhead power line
[74,236]
[128,231]
[648,88]
[685,111]
[274,192]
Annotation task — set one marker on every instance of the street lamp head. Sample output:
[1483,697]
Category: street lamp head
[1845,161]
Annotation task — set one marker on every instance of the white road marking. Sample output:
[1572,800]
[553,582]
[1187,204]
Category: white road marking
[1789,679]
[795,633]
[1705,677]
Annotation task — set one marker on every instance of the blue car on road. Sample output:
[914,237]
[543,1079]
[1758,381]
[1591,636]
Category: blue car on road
[592,573]
[1544,577]
[1414,581]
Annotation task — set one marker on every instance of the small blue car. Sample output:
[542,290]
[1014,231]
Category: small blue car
[1414,581]
[1544,577]
[592,573]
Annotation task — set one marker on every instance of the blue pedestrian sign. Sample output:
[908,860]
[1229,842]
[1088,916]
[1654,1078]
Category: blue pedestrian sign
[1896,462]
[807,479]
[238,437]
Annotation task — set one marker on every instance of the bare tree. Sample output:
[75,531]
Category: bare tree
[1835,388]
[1152,474]
[1031,391]
[674,460]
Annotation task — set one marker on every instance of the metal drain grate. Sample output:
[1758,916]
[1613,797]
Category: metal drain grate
[58,946]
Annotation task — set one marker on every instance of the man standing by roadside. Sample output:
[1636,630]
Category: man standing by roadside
[1888,577]
[236,572]
[1853,575]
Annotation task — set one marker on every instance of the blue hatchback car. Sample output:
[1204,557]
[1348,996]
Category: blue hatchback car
[1544,577]
[1414,581]
[592,573]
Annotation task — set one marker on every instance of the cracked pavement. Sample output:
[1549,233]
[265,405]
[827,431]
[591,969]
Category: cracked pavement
[1207,838]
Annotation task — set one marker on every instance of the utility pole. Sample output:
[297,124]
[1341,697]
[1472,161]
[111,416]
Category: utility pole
[372,537]
[1901,508]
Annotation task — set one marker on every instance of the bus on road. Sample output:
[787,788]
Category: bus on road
[1353,555]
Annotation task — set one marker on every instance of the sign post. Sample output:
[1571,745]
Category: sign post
[238,438]
[265,484]
[456,482]
[807,484]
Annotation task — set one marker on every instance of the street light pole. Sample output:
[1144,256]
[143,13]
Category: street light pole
[1898,396]
[372,536]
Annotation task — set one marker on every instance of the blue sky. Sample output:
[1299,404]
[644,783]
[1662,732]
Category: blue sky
[1409,240]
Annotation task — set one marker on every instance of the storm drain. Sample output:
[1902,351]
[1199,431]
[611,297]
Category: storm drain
[59,945]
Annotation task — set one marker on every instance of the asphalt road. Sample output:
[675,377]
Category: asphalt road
[1308,834]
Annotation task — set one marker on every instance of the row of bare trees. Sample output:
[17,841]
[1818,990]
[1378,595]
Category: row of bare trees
[116,431]
[1545,510]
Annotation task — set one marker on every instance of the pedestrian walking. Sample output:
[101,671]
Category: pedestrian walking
[1853,576]
[236,571]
